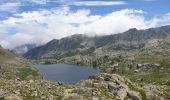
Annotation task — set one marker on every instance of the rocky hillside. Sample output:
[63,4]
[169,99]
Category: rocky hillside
[98,87]
[19,81]
[141,55]
[12,66]
[58,48]
[113,87]
[81,44]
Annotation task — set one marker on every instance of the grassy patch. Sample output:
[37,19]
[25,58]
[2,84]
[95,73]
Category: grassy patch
[163,60]
[155,77]
[159,76]
[24,73]
[59,98]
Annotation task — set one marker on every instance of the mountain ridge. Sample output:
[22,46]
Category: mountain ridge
[80,43]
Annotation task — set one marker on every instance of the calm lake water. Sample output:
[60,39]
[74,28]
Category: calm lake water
[65,73]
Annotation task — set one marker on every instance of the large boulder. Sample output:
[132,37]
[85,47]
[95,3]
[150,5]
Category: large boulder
[121,93]
[133,95]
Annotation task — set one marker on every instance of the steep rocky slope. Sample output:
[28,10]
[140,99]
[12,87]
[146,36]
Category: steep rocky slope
[12,66]
[81,44]
[60,48]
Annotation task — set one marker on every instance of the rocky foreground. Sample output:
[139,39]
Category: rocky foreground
[19,81]
[112,87]
[98,87]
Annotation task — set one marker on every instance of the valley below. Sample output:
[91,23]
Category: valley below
[134,65]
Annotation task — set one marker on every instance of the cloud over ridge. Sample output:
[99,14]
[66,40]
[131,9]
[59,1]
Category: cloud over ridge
[41,26]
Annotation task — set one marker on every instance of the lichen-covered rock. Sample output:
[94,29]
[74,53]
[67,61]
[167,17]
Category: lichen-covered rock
[117,87]
[2,94]
[134,95]
[121,93]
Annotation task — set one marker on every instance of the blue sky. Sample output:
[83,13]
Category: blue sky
[39,21]
[152,7]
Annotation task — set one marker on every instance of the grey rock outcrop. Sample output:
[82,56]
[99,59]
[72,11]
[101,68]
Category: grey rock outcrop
[113,86]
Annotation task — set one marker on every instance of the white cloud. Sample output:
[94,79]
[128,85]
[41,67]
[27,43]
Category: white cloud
[11,6]
[97,3]
[39,1]
[116,22]
[2,36]
[160,20]
[42,26]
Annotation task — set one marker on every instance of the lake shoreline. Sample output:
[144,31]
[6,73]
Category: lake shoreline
[64,73]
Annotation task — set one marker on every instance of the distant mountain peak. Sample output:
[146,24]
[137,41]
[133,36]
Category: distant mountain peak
[82,44]
[132,30]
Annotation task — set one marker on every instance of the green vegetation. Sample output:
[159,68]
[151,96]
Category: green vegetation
[104,92]
[68,54]
[59,98]
[141,91]
[151,77]
[28,72]
[163,60]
